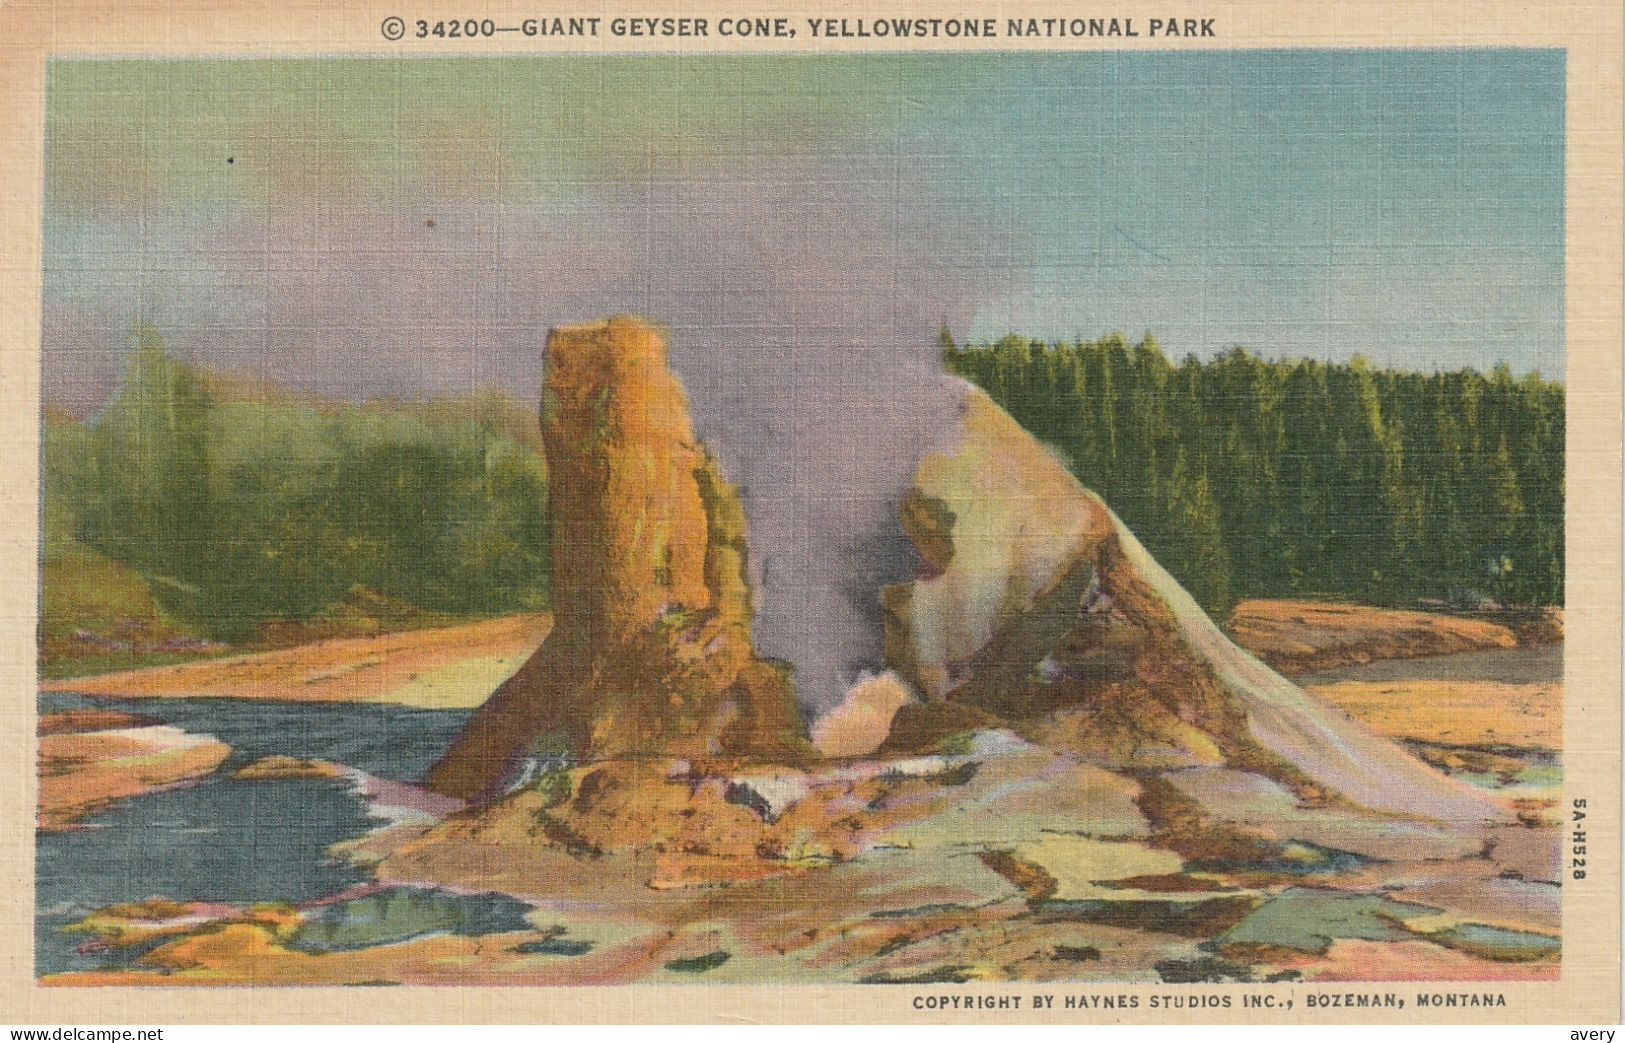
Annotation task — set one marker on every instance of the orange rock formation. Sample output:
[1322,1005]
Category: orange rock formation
[651,651]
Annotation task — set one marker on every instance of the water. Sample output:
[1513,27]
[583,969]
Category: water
[401,913]
[1499,943]
[391,742]
[1535,664]
[1310,919]
[225,839]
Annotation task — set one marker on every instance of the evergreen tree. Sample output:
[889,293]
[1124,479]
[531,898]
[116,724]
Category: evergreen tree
[239,512]
[1255,478]
[151,447]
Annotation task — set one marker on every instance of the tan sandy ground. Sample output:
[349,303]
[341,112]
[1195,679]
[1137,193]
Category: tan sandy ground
[66,722]
[81,772]
[1302,636]
[458,667]
[449,668]
[1455,713]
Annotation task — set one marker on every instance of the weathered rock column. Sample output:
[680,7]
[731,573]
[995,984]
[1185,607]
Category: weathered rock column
[650,655]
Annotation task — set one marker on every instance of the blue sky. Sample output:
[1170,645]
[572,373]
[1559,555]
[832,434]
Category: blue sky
[409,226]
[1405,205]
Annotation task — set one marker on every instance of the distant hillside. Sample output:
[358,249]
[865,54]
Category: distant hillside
[202,507]
[1293,478]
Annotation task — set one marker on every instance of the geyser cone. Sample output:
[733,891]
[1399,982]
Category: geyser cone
[650,653]
[1039,606]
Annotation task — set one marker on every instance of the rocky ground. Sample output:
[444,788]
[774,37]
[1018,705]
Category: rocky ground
[964,865]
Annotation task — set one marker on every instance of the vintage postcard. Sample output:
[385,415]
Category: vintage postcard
[869,513]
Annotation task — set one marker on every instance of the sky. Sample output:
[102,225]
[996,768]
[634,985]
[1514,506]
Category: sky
[414,226]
